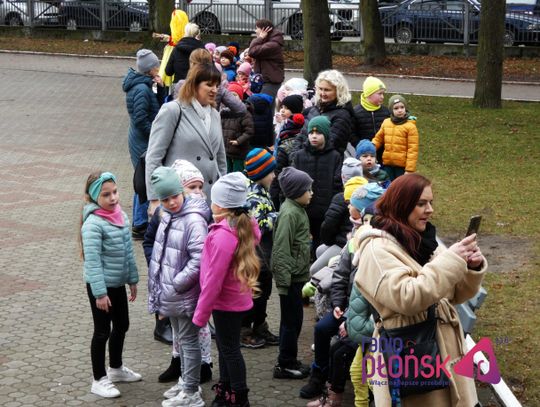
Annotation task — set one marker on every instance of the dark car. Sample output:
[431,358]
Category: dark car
[119,14]
[449,21]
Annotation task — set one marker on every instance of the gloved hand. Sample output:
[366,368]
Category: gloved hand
[308,290]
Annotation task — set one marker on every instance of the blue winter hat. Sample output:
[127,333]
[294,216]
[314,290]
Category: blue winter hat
[365,147]
[366,195]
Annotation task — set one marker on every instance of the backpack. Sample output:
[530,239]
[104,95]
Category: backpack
[256,82]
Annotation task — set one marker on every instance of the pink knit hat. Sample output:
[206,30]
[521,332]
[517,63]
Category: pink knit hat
[245,67]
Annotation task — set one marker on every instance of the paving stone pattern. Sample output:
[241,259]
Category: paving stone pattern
[56,126]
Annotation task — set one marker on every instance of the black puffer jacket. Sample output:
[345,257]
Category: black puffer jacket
[368,123]
[325,168]
[178,64]
[342,124]
[262,119]
[336,224]
[239,127]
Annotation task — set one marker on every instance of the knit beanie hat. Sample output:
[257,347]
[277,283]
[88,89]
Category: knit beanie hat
[372,85]
[259,163]
[321,124]
[236,88]
[365,147]
[187,172]
[220,49]
[295,103]
[146,60]
[210,46]
[351,168]
[227,54]
[366,195]
[351,185]
[396,99]
[294,183]
[245,67]
[166,182]
[234,45]
[230,191]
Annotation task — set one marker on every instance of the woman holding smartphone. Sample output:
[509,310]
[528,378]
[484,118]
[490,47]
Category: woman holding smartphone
[403,271]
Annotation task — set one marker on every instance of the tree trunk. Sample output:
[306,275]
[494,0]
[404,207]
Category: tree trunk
[374,50]
[317,45]
[160,15]
[489,60]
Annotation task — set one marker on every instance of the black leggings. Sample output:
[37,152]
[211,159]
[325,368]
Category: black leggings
[341,356]
[257,315]
[118,315]
[232,368]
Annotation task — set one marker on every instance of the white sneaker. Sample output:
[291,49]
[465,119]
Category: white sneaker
[185,399]
[104,388]
[122,374]
[173,391]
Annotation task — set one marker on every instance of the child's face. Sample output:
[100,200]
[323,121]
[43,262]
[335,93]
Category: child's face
[368,161]
[224,61]
[399,110]
[108,197]
[355,213]
[173,203]
[216,56]
[305,199]
[196,188]
[317,140]
[376,98]
[285,112]
[241,77]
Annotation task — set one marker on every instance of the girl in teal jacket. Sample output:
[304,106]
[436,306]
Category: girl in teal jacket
[109,264]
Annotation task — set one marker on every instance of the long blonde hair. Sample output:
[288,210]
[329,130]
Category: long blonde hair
[246,262]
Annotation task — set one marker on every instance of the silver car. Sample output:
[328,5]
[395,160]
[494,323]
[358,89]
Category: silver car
[16,13]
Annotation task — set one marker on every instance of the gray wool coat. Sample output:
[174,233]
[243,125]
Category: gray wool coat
[189,142]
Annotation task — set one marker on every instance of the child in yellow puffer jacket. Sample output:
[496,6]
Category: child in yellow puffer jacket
[399,136]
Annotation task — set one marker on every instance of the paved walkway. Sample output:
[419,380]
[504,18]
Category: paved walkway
[60,119]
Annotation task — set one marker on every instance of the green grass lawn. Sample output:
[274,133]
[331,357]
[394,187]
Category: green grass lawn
[488,162]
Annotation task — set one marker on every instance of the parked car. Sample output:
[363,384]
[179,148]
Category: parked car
[119,14]
[239,16]
[16,13]
[445,21]
[523,6]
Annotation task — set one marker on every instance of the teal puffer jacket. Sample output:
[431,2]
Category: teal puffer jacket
[109,260]
[359,321]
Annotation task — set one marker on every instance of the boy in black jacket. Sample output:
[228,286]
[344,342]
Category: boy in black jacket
[323,163]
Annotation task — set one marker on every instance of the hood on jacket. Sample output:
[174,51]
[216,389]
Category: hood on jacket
[277,36]
[195,205]
[134,78]
[188,44]
[89,209]
[260,102]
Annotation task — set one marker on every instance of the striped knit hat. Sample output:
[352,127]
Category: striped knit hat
[259,163]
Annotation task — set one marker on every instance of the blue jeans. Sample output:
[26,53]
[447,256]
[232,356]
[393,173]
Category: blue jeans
[327,327]
[140,212]
[292,315]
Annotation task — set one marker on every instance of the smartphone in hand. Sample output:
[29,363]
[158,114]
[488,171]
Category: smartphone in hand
[474,225]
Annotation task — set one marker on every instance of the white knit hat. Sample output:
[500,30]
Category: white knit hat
[187,172]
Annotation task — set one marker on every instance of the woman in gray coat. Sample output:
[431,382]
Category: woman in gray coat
[197,138]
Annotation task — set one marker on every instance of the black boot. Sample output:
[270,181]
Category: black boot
[238,398]
[163,330]
[222,393]
[206,372]
[316,384]
[173,372]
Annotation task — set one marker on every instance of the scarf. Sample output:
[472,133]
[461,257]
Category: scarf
[399,120]
[115,217]
[366,104]
[204,113]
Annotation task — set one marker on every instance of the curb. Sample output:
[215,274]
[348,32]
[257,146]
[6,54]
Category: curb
[359,74]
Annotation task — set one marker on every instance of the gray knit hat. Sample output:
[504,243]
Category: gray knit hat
[230,191]
[166,182]
[294,183]
[351,168]
[146,60]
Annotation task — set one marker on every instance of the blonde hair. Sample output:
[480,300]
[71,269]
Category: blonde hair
[196,75]
[336,79]
[200,56]
[246,262]
[191,30]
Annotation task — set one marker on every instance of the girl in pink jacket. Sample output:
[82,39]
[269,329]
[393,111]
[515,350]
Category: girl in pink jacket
[229,272]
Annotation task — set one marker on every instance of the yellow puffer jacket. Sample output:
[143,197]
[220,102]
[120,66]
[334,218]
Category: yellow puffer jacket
[400,143]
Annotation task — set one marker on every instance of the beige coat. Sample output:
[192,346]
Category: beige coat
[401,291]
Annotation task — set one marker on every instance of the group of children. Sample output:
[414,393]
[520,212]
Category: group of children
[267,215]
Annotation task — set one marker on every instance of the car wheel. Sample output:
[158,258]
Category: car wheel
[509,38]
[135,26]
[403,35]
[296,27]
[14,20]
[208,23]
[71,24]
